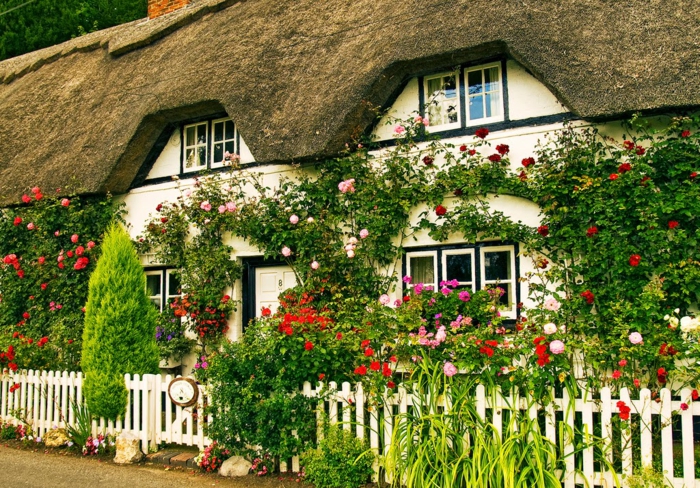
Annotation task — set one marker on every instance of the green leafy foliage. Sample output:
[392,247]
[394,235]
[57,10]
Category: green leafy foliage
[119,335]
[340,461]
[49,247]
[43,23]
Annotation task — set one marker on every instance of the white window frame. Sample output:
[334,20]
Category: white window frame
[513,311]
[422,254]
[457,252]
[195,147]
[221,164]
[164,295]
[493,118]
[428,99]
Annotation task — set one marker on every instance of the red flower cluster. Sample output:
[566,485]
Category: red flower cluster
[588,295]
[308,345]
[541,351]
[591,231]
[685,133]
[14,387]
[543,230]
[661,376]
[17,221]
[666,350]
[9,357]
[502,149]
[635,259]
[613,176]
[624,410]
[428,160]
[672,224]
[528,162]
[481,133]
[495,158]
[440,210]
[81,263]
[624,168]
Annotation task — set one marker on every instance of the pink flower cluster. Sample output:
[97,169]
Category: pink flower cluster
[347,186]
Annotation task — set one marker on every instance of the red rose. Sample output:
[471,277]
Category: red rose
[486,350]
[685,133]
[624,168]
[640,151]
[463,148]
[543,230]
[26,198]
[44,285]
[374,366]
[361,370]
[502,149]
[629,145]
[495,158]
[694,395]
[644,181]
[266,312]
[321,376]
[407,298]
[369,352]
[693,175]
[386,370]
[684,406]
[635,259]
[17,221]
[390,384]
[428,160]
[365,343]
[591,231]
[70,254]
[440,210]
[159,207]
[528,162]
[472,152]
[522,176]
[613,176]
[588,295]
[661,375]
[38,196]
[481,133]
[81,263]
[308,345]
[339,336]
[672,224]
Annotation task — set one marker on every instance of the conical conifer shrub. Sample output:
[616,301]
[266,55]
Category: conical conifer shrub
[120,322]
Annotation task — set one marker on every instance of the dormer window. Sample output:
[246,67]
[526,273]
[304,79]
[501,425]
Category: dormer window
[459,99]
[442,101]
[206,144]
[196,146]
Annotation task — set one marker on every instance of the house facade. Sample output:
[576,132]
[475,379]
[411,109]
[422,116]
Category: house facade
[141,110]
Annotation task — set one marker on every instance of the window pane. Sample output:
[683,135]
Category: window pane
[201,155]
[173,285]
[497,265]
[493,104]
[218,153]
[189,158]
[218,131]
[202,134]
[475,82]
[459,267]
[228,146]
[153,285]
[476,107]
[491,77]
[442,101]
[422,269]
[434,88]
[229,129]
[506,298]
[189,136]
[156,302]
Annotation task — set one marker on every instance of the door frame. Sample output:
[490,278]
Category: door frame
[250,265]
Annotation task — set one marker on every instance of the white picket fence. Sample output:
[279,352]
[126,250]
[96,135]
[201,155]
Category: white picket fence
[43,401]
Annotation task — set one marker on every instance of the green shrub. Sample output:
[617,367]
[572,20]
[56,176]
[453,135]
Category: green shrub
[119,334]
[340,461]
[8,432]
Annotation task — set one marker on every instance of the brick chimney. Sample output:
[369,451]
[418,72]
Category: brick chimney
[156,8]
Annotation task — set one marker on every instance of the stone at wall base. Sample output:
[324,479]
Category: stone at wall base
[235,466]
[128,449]
[56,438]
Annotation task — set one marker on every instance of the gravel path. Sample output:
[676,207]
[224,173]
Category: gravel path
[22,468]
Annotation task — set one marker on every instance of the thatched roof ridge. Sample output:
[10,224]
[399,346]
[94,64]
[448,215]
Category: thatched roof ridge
[295,75]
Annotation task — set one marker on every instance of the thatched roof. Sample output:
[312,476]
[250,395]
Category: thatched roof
[294,74]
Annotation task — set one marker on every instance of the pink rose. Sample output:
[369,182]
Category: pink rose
[230,206]
[294,219]
[286,252]
[74,238]
[90,245]
[351,254]
[557,347]
[636,338]
[347,186]
[384,299]
[550,328]
[364,233]
[31,226]
[449,369]
[314,265]
[205,205]
[222,208]
[310,220]
[551,304]
[399,129]
[65,202]
[36,190]
[57,233]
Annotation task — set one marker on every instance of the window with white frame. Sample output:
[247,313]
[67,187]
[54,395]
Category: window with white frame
[442,100]
[473,96]
[223,141]
[162,286]
[196,146]
[484,94]
[474,268]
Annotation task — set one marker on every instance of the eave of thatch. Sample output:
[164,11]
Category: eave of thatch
[295,74]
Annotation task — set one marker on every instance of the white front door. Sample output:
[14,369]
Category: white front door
[269,283]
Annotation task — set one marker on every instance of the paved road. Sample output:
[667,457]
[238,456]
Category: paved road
[19,469]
